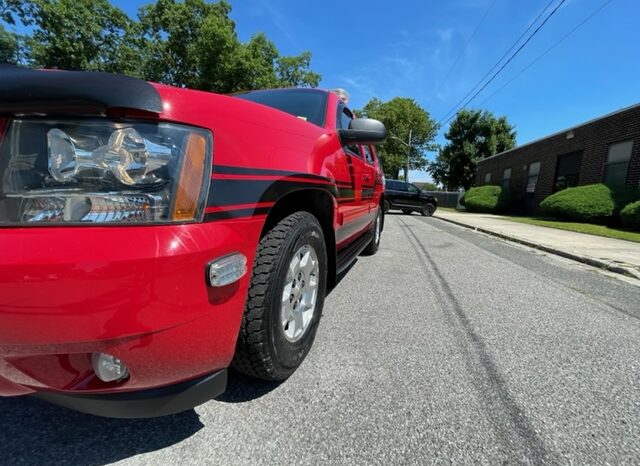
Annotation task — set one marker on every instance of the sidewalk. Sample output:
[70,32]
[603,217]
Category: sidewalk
[612,254]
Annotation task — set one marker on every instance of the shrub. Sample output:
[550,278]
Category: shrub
[623,196]
[630,216]
[490,199]
[592,203]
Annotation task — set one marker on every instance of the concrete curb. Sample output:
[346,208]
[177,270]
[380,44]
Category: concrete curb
[558,252]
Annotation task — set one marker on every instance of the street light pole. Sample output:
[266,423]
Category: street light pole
[406,165]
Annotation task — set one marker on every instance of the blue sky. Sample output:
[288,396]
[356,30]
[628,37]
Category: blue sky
[383,49]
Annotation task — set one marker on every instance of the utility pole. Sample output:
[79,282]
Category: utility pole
[406,166]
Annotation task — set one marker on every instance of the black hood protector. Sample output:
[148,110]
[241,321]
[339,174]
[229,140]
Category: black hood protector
[24,90]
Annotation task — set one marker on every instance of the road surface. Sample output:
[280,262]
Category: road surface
[446,346]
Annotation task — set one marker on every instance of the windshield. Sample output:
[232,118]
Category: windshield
[309,105]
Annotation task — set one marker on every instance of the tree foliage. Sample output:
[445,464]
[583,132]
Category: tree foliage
[400,115]
[473,135]
[79,35]
[8,46]
[10,10]
[190,43]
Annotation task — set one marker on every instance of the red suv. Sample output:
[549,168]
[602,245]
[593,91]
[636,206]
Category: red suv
[153,236]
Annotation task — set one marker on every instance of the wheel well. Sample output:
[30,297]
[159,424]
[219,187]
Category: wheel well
[318,203]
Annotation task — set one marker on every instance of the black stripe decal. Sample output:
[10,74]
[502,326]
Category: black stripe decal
[229,170]
[232,192]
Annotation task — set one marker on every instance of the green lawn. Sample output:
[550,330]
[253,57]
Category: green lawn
[588,228]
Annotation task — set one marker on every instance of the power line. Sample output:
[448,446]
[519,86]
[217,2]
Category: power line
[511,57]
[498,62]
[546,52]
[464,48]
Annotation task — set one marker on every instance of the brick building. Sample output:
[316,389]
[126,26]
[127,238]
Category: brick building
[604,150]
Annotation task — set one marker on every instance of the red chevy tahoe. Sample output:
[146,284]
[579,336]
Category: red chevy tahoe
[151,237]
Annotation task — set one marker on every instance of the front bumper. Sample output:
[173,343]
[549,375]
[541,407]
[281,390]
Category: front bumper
[137,293]
[154,402]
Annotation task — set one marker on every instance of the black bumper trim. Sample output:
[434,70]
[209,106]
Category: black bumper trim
[147,403]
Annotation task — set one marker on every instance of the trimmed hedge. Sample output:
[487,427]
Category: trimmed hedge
[630,216]
[488,199]
[623,196]
[592,204]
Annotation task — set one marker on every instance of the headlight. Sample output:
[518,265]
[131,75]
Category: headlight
[100,171]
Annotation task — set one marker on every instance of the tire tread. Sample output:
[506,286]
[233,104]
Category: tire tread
[252,356]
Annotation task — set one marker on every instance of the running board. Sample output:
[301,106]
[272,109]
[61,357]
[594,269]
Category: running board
[347,255]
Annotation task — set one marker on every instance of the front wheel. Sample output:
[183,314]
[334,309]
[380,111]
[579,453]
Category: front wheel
[428,210]
[285,299]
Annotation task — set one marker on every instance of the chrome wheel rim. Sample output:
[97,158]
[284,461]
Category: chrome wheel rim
[300,293]
[377,232]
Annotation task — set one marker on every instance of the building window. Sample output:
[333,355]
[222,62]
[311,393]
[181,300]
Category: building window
[567,171]
[506,178]
[487,178]
[615,171]
[532,176]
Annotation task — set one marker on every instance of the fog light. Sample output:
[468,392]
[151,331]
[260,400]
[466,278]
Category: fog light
[108,368]
[227,270]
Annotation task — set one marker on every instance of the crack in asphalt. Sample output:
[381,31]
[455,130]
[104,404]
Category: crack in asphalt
[510,422]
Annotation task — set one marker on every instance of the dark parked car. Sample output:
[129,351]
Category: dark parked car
[408,198]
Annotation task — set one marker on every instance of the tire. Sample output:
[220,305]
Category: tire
[406,211]
[428,210]
[264,349]
[387,206]
[373,246]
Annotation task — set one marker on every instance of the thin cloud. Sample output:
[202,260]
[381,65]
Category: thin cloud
[266,8]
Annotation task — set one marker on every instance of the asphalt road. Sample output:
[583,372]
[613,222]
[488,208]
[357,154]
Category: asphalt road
[447,346]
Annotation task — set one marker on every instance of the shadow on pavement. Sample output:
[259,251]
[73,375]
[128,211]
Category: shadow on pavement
[34,432]
[241,388]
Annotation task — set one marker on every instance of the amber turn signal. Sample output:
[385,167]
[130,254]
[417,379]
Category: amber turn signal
[190,182]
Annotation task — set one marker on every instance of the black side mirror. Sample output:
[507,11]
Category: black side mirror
[364,131]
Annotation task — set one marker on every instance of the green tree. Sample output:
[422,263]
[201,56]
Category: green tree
[403,116]
[194,44]
[294,71]
[473,135]
[8,46]
[78,35]
[12,9]
[190,43]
